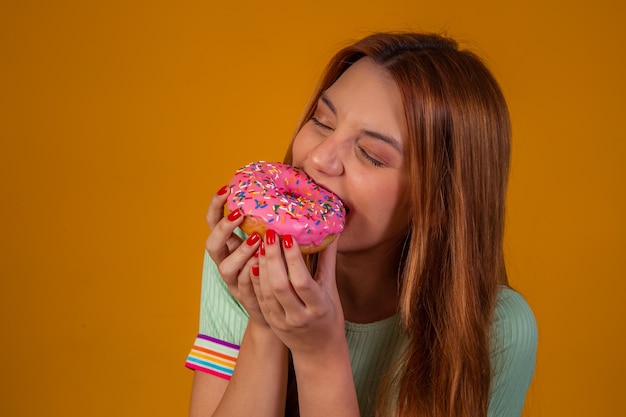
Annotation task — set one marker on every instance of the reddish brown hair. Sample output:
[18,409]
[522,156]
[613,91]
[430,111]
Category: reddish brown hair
[457,157]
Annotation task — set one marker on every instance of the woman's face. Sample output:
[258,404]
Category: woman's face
[354,145]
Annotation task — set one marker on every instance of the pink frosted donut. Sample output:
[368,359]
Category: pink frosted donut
[283,198]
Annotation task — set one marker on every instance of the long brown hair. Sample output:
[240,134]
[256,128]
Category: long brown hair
[458,157]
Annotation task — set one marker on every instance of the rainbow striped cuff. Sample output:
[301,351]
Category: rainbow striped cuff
[213,356]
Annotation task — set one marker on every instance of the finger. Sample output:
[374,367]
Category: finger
[303,285]
[279,277]
[222,241]
[234,264]
[326,265]
[271,266]
[254,277]
[246,285]
[216,206]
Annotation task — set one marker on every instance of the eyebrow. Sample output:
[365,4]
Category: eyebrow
[387,139]
[328,103]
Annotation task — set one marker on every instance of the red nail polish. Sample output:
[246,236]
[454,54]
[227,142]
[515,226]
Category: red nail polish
[270,236]
[223,190]
[262,248]
[253,239]
[255,270]
[256,254]
[234,215]
[287,241]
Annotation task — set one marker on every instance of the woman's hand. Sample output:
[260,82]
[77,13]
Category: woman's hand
[304,312]
[306,315]
[233,257]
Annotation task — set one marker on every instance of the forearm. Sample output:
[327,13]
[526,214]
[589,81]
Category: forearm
[258,384]
[326,384]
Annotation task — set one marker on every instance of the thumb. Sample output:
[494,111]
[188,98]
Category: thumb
[326,262]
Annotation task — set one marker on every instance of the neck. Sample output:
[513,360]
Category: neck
[368,284]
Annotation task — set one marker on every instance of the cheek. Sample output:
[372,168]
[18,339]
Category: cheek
[394,199]
[300,148]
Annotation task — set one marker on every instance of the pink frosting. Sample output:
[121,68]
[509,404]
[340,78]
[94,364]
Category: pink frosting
[285,198]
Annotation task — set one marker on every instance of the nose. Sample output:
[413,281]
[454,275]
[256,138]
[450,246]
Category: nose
[327,157]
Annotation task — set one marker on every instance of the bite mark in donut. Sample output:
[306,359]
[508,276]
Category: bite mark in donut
[283,198]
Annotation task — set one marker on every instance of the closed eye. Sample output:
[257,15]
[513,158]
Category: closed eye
[316,122]
[369,158]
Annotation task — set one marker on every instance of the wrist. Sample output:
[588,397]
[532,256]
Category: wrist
[329,355]
[326,376]
[261,335]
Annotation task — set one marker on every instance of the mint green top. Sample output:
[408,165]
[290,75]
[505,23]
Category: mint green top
[373,346]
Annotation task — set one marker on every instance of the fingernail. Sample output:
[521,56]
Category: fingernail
[256,254]
[253,239]
[262,249]
[270,236]
[287,241]
[234,215]
[223,190]
[255,270]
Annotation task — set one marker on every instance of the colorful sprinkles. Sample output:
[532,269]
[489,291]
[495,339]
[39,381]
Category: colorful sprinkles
[285,196]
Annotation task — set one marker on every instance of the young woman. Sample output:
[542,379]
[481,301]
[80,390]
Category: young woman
[408,313]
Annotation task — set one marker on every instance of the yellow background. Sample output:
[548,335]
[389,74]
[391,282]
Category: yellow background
[120,119]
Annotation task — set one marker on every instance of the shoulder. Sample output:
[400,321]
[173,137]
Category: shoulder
[512,304]
[514,337]
[514,323]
